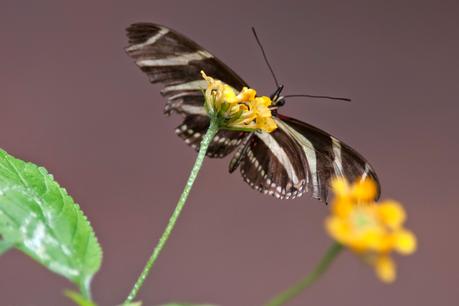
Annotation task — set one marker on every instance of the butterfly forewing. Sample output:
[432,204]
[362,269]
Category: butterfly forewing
[175,61]
[171,58]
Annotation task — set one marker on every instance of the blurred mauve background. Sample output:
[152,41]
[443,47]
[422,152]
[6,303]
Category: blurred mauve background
[72,101]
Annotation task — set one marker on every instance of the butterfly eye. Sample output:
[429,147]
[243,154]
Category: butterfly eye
[279,102]
[276,95]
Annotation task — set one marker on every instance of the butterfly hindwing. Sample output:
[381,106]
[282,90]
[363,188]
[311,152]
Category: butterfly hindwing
[298,158]
[175,61]
[272,163]
[193,129]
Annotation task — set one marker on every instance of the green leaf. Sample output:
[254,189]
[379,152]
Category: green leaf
[78,298]
[38,217]
[5,246]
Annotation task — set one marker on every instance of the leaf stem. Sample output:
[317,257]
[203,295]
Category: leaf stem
[85,289]
[206,140]
[297,288]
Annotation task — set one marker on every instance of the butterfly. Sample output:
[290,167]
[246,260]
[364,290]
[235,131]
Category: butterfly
[293,159]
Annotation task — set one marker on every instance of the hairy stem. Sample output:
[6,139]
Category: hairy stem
[206,140]
[297,288]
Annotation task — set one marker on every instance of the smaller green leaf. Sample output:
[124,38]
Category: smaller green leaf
[78,298]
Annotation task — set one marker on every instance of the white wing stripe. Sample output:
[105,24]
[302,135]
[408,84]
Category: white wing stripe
[280,154]
[193,109]
[180,60]
[193,85]
[184,94]
[309,151]
[150,41]
[337,161]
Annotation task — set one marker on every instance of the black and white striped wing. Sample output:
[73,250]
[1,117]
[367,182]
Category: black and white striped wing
[175,61]
[273,164]
[298,158]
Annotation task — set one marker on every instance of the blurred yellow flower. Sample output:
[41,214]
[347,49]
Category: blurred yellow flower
[243,110]
[363,190]
[369,229]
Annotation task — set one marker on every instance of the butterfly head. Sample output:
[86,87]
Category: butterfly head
[277,98]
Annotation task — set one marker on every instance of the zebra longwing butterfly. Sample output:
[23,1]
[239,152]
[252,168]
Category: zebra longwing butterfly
[294,159]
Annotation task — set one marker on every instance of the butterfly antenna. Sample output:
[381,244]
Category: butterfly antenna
[265,57]
[319,97]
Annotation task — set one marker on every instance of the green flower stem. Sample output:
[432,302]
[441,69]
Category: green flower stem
[206,140]
[296,289]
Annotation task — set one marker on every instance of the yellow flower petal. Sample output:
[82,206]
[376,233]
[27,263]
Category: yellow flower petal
[405,242]
[263,112]
[339,230]
[385,269]
[340,186]
[342,207]
[392,214]
[266,124]
[373,239]
[364,190]
[229,95]
[247,94]
[263,101]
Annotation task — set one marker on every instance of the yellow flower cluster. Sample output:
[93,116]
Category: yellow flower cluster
[369,229]
[243,110]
